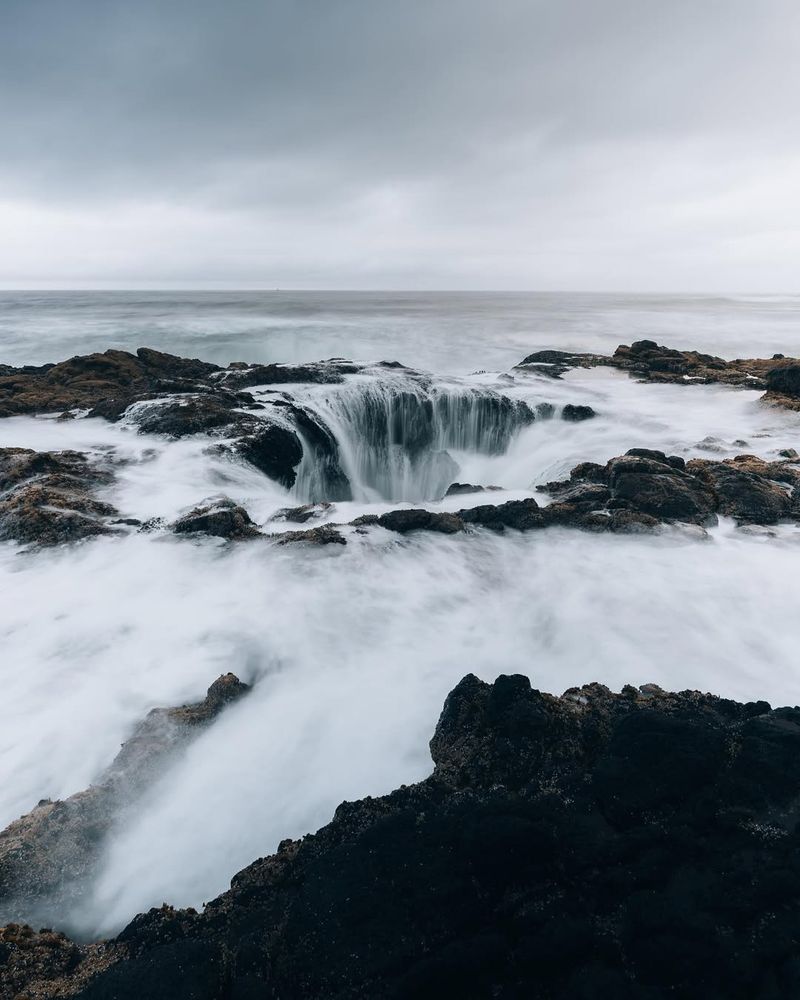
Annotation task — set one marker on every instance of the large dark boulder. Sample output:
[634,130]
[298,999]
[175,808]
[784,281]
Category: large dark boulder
[636,846]
[660,490]
[414,519]
[275,450]
[222,517]
[750,498]
[785,380]
[575,414]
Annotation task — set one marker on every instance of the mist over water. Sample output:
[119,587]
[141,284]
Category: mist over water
[352,649]
[448,332]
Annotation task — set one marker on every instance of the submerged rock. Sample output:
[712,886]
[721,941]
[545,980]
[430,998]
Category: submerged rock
[306,512]
[456,489]
[593,845]
[49,856]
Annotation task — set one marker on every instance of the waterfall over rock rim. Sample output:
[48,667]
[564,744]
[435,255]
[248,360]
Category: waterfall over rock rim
[389,437]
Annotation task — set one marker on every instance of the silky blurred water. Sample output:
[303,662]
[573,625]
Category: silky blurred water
[353,648]
[448,332]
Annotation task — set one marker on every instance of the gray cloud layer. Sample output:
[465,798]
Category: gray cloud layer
[473,143]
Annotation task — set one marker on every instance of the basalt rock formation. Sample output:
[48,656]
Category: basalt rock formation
[221,517]
[645,359]
[85,382]
[634,845]
[47,497]
[49,855]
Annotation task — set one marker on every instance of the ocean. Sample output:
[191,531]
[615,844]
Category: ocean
[352,649]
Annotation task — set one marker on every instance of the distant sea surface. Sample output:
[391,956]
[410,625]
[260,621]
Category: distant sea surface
[447,332]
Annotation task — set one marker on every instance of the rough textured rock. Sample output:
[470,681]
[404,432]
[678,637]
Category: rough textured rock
[48,856]
[635,846]
[221,517]
[521,515]
[47,497]
[666,488]
[199,413]
[325,534]
[414,519]
[653,362]
[85,382]
[326,372]
[275,450]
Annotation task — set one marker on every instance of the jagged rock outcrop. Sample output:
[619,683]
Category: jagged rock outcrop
[49,855]
[84,382]
[666,488]
[47,497]
[645,359]
[634,845]
[221,517]
[325,373]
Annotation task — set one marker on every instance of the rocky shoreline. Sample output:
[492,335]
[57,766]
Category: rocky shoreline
[50,497]
[633,845]
[651,362]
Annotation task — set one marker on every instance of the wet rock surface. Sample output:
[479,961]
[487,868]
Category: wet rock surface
[221,517]
[645,359]
[325,534]
[664,487]
[575,414]
[634,845]
[49,856]
[47,497]
[85,382]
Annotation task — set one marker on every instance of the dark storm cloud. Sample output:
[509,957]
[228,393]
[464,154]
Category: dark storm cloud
[465,117]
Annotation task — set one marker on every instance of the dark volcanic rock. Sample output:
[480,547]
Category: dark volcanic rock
[633,846]
[660,490]
[47,497]
[575,413]
[325,534]
[48,856]
[785,379]
[519,514]
[84,382]
[414,519]
[221,517]
[323,372]
[275,450]
[191,414]
[747,496]
[645,359]
[456,489]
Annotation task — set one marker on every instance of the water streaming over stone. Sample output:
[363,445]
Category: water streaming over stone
[392,437]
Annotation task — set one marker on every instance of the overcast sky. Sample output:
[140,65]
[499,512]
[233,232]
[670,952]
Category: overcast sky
[570,144]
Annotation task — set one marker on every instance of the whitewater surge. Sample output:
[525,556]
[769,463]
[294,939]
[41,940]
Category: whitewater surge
[351,649]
